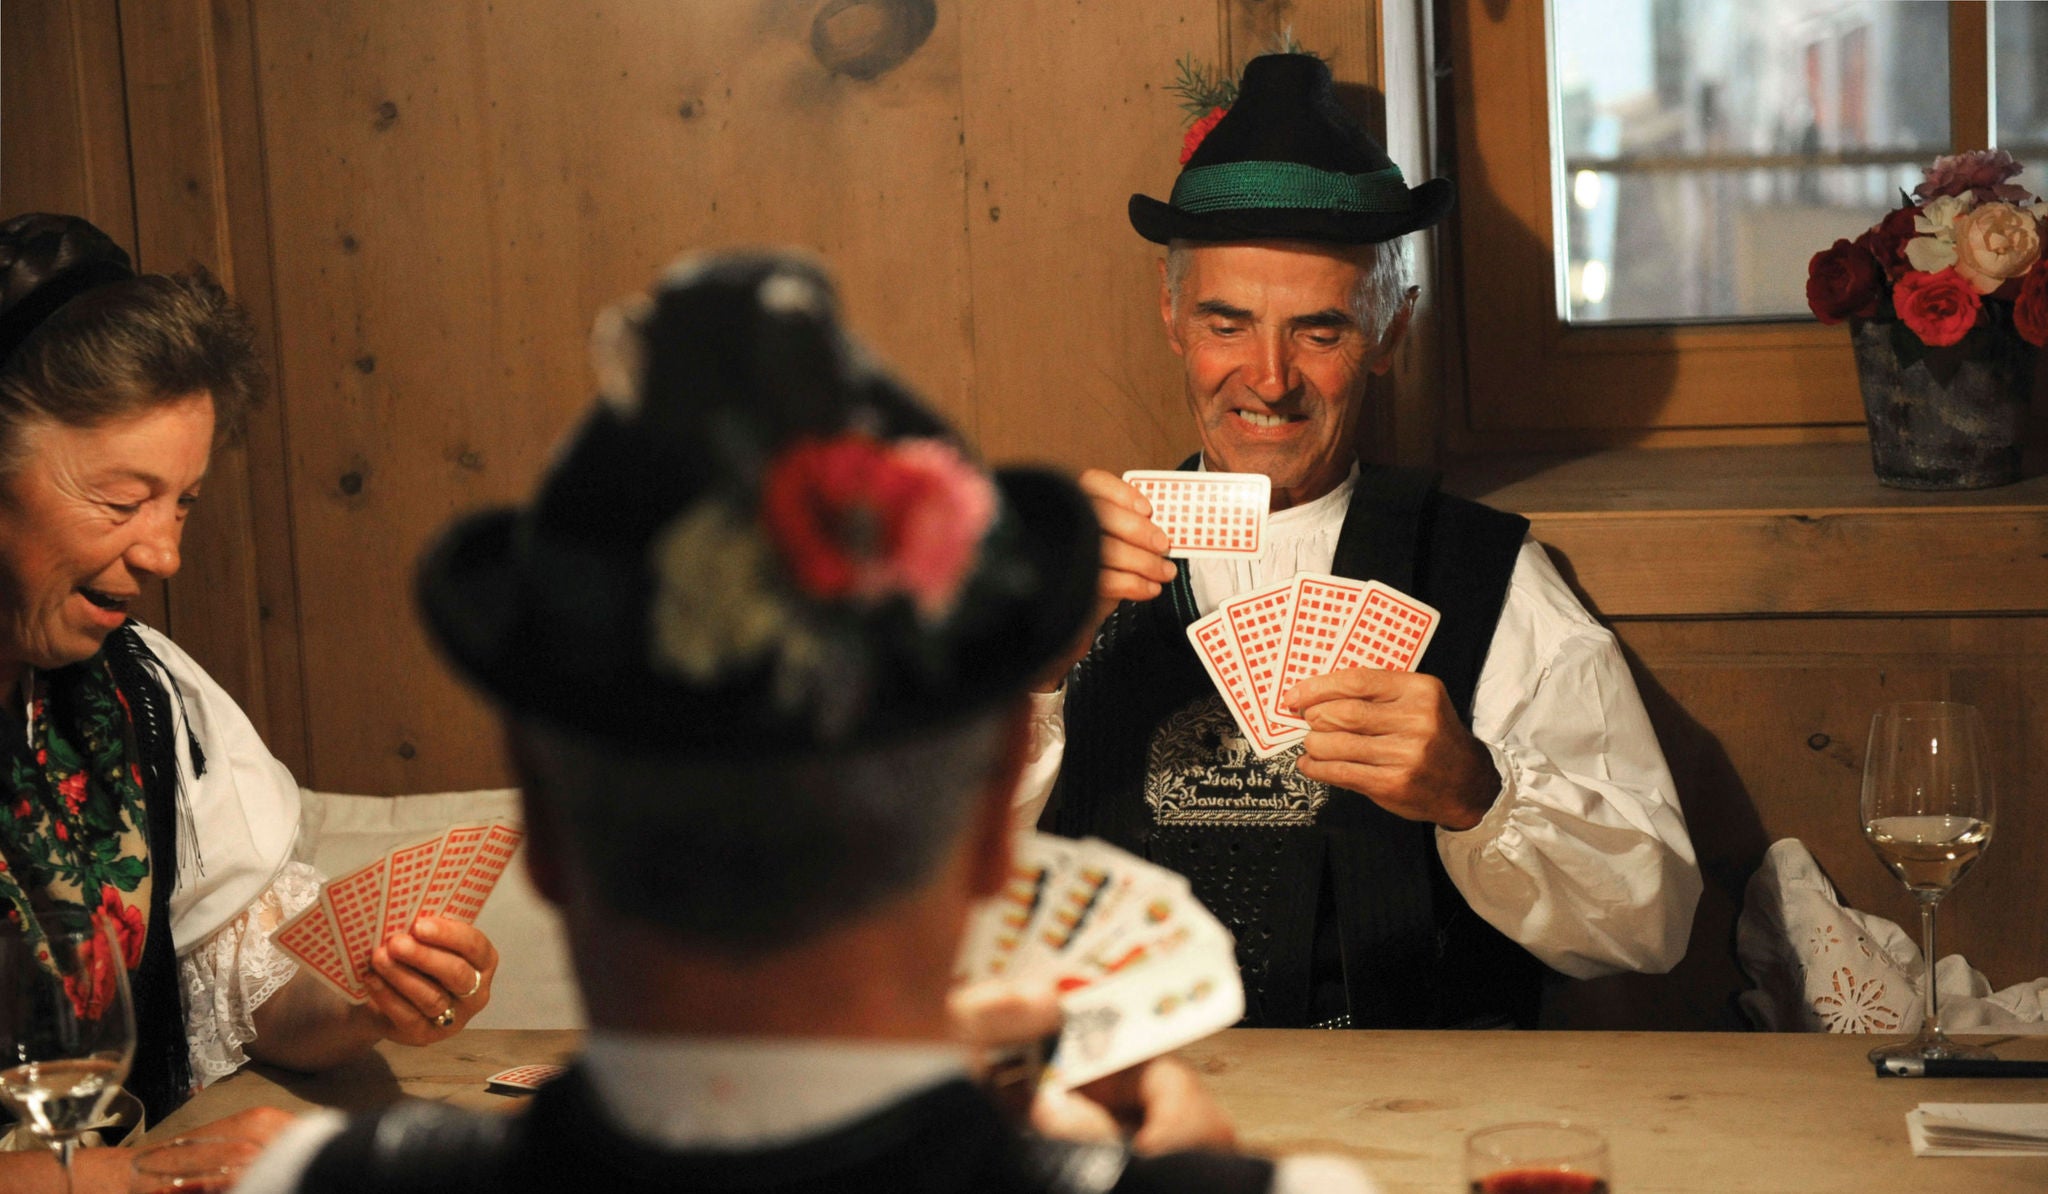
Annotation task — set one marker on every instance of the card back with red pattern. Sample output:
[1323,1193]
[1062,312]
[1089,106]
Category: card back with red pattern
[1207,514]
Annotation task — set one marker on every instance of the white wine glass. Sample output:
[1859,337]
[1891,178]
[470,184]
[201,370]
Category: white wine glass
[1927,812]
[67,1029]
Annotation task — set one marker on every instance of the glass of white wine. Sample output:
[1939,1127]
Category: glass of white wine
[67,1029]
[1927,811]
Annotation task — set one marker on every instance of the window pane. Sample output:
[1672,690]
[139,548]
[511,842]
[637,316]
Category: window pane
[2019,41]
[1708,148]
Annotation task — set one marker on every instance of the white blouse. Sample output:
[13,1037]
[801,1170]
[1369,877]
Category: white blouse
[236,880]
[1584,857]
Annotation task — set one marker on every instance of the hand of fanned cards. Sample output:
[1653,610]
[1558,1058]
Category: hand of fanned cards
[1140,966]
[1257,645]
[450,875]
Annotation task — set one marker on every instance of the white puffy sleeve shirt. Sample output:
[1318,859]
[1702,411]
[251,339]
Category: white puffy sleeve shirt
[236,881]
[1584,857]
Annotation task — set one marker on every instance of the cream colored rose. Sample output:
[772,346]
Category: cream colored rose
[1996,242]
[1934,250]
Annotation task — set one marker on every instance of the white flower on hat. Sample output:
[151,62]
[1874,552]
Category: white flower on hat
[783,293]
[618,353]
[713,602]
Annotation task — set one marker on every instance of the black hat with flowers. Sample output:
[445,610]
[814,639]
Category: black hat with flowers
[1287,162]
[756,540]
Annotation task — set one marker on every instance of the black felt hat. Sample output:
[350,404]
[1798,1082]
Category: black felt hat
[757,541]
[1286,162]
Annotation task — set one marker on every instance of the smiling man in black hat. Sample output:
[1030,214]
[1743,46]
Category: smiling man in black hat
[761,644]
[1443,836]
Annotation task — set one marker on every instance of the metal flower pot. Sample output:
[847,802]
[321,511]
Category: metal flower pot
[1943,418]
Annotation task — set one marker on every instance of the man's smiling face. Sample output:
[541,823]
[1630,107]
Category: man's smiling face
[1275,360]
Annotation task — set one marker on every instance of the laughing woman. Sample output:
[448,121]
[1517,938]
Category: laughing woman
[136,789]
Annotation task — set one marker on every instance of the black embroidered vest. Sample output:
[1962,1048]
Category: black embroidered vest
[947,1140]
[1342,911]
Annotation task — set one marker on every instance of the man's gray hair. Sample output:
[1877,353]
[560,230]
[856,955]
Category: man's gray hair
[1381,292]
[750,856]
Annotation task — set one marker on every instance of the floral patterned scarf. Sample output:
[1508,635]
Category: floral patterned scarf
[91,799]
[75,831]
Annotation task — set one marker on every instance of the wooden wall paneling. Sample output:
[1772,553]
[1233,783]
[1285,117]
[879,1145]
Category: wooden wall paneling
[199,198]
[1764,722]
[455,191]
[64,132]
[1068,114]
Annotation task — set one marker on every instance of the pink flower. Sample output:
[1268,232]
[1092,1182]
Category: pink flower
[854,517]
[1939,308]
[1197,131]
[1983,170]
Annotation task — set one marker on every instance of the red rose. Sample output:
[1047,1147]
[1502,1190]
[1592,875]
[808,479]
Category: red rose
[1940,308]
[1844,281]
[63,832]
[129,926]
[72,789]
[1197,131]
[1887,241]
[22,811]
[2030,312]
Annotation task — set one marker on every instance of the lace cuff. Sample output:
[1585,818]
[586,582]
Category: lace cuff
[229,975]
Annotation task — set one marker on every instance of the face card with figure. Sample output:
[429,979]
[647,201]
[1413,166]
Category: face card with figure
[1207,514]
[1186,987]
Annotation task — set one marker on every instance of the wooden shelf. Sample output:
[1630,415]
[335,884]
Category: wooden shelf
[1770,531]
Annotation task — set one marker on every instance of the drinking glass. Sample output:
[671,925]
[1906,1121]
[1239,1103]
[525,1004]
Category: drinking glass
[195,1163]
[1536,1158]
[1927,811]
[67,1030]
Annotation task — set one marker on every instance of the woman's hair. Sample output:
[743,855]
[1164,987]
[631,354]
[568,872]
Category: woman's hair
[85,339]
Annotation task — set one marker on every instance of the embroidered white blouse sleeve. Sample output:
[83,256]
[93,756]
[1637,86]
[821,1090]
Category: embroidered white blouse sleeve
[1045,746]
[1584,857]
[236,883]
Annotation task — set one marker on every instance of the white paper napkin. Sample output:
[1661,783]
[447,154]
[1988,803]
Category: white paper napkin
[1979,1129]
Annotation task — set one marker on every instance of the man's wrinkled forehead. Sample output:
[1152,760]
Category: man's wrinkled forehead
[1218,278]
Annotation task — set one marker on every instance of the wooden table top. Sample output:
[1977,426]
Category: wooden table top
[1719,1112]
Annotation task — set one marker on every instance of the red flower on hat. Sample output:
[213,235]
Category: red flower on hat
[1199,130]
[854,517]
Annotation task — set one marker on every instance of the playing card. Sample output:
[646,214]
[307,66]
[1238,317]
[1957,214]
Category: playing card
[1392,631]
[313,939]
[487,866]
[357,902]
[1207,514]
[1259,622]
[411,867]
[524,1078]
[1216,647]
[458,846]
[1324,609]
[1185,989]
[999,927]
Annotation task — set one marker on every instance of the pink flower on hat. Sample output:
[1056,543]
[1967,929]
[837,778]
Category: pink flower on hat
[854,517]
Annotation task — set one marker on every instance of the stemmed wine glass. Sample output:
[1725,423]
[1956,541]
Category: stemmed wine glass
[1927,811]
[67,1029]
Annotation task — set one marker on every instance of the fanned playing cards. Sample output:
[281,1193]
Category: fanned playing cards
[1258,645]
[1207,514]
[450,875]
[1142,968]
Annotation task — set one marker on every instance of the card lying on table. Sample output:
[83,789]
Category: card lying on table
[1258,645]
[450,875]
[1141,967]
[1207,514]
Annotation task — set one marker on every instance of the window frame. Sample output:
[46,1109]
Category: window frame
[1534,382]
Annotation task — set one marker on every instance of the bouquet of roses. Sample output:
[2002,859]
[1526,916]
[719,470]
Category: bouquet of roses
[1963,251]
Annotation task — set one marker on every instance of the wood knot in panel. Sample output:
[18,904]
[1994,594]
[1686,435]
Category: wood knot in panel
[866,39]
